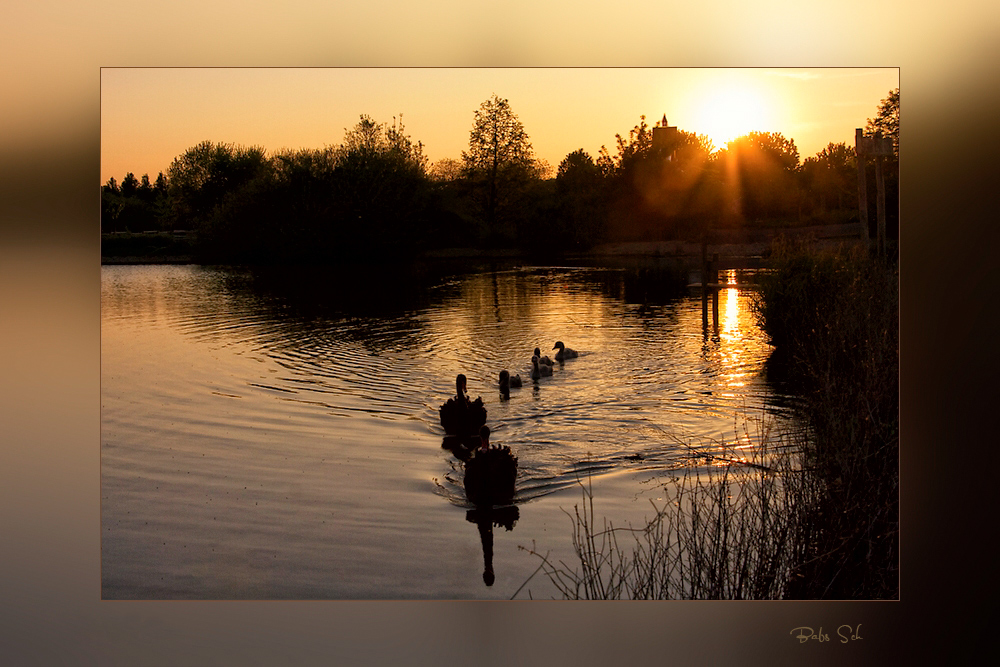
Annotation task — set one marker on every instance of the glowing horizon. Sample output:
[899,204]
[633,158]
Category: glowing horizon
[149,116]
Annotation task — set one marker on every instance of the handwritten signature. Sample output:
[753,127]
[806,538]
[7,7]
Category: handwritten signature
[846,633]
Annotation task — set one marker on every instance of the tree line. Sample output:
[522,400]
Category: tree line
[376,193]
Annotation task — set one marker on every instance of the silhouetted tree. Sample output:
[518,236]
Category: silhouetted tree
[577,169]
[136,206]
[457,222]
[886,120]
[111,206]
[446,170]
[759,175]
[500,161]
[628,218]
[830,178]
[635,147]
[773,146]
[580,202]
[380,188]
[130,185]
[367,197]
[660,191]
[203,175]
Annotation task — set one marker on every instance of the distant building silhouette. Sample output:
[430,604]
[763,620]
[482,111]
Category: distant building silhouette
[664,135]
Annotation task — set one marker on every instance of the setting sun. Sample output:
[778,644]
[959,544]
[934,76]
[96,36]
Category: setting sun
[729,112]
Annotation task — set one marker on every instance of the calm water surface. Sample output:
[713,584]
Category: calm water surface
[276,435]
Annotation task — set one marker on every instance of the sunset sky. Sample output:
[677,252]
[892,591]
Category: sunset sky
[151,115]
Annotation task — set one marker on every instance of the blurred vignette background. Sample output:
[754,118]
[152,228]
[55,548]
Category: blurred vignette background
[52,51]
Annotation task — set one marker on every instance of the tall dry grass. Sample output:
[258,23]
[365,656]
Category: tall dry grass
[732,527]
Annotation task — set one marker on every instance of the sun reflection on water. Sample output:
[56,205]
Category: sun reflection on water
[733,331]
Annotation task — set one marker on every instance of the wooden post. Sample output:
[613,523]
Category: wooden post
[704,284]
[715,292]
[860,153]
[879,147]
[880,202]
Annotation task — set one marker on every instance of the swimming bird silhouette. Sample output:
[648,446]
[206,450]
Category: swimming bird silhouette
[490,473]
[459,415]
[564,352]
[507,381]
[543,360]
[539,370]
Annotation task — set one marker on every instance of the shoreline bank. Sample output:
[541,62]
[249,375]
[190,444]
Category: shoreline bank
[737,249]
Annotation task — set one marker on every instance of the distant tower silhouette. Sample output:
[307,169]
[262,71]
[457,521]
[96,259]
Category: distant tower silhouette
[664,136]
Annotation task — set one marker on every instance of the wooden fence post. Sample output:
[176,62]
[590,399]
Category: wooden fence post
[860,154]
[704,284]
[879,147]
[715,292]
[880,203]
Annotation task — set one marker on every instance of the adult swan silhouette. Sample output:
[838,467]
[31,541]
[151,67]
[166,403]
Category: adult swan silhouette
[490,473]
[459,415]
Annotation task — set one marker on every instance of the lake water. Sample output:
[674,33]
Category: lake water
[275,434]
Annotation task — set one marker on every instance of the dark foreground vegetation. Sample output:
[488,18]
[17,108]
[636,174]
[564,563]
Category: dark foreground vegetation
[376,196]
[809,513]
[834,317]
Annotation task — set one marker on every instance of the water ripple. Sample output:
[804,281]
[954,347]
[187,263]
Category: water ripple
[647,375]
